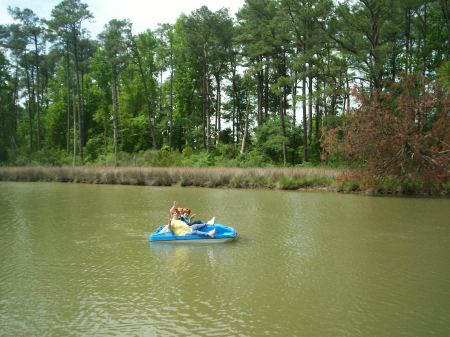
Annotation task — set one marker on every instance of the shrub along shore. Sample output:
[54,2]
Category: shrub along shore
[298,178]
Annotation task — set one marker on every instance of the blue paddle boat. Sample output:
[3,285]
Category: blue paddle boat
[222,234]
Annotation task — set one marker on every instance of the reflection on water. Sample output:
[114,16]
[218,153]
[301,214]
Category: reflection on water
[75,260]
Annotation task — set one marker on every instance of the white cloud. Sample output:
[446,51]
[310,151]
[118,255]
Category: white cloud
[144,14]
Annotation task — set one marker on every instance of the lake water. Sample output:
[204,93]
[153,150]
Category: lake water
[75,261]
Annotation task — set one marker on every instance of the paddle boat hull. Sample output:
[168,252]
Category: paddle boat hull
[223,234]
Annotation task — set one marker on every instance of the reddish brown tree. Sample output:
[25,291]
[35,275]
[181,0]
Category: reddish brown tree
[402,132]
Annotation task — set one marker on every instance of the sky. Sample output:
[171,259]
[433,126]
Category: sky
[144,14]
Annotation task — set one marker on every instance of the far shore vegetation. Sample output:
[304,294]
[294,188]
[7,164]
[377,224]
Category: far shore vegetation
[347,96]
[293,178]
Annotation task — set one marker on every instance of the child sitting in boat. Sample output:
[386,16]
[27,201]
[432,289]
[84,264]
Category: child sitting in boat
[185,215]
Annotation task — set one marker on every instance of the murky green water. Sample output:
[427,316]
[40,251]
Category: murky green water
[75,261]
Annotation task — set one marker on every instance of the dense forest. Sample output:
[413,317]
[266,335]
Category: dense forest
[283,83]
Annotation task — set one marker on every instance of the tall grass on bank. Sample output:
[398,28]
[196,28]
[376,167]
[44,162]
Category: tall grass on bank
[280,178]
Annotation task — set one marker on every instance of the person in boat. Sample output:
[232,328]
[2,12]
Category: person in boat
[179,227]
[185,215]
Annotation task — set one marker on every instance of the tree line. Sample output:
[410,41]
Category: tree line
[270,86]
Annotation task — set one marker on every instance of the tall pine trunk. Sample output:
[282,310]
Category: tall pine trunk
[171,98]
[206,118]
[245,135]
[235,102]
[115,107]
[37,98]
[75,109]
[283,124]
[425,45]
[310,108]
[14,101]
[29,108]
[294,114]
[318,114]
[260,95]
[266,90]
[408,40]
[79,98]
[69,93]
[218,110]
[305,124]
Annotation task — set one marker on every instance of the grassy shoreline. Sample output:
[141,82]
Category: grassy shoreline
[300,178]
[273,178]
